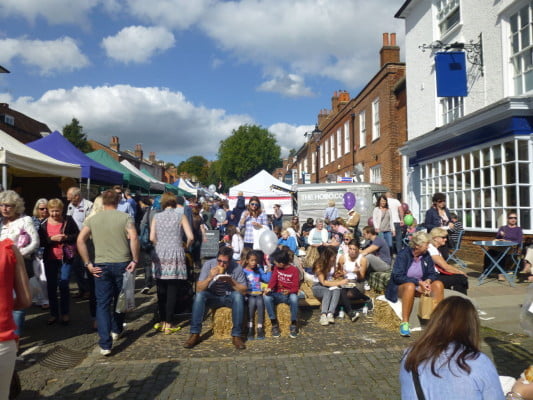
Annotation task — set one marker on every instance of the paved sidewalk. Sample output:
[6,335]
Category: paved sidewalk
[344,360]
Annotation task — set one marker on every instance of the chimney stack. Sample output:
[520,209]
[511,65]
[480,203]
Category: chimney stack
[151,157]
[390,52]
[139,151]
[115,145]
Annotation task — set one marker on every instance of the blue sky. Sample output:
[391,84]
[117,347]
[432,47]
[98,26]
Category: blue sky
[177,76]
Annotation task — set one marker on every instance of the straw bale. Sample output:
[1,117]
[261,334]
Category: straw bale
[384,316]
[283,312]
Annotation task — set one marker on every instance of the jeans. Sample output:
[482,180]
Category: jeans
[58,274]
[328,298]
[107,288]
[19,316]
[80,273]
[234,300]
[398,237]
[387,236]
[276,298]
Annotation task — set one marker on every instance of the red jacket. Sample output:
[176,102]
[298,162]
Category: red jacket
[287,278]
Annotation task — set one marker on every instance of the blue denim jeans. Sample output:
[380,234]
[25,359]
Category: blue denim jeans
[107,288]
[398,237]
[387,236]
[234,300]
[19,316]
[276,298]
[58,274]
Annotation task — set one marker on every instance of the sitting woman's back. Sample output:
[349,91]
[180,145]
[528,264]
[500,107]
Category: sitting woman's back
[446,358]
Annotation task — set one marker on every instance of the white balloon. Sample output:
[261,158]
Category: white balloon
[268,241]
[212,188]
[220,215]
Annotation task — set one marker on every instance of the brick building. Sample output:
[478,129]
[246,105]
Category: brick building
[136,157]
[359,137]
[20,126]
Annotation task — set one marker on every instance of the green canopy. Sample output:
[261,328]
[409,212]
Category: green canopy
[168,186]
[130,179]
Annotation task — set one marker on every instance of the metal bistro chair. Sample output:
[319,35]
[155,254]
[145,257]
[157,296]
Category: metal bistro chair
[517,256]
[453,254]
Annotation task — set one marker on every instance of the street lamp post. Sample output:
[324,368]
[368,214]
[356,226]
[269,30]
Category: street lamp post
[315,135]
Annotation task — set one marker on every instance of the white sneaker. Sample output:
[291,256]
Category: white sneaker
[342,314]
[105,352]
[330,318]
[323,320]
[116,336]
[367,286]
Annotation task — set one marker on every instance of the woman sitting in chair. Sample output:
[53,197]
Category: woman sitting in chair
[452,278]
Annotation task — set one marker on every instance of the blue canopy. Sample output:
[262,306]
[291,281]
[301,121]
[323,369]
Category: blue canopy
[57,146]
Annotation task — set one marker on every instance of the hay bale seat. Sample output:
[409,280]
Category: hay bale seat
[222,322]
[310,300]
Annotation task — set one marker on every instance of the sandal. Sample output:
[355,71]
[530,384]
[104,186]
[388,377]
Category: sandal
[169,330]
[158,326]
[51,321]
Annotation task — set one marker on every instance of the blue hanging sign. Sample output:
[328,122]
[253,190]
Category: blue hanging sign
[451,74]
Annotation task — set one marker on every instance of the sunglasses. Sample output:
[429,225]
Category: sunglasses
[254,204]
[222,262]
[44,208]
[512,217]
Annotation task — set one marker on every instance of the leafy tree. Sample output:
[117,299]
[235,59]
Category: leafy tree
[74,133]
[292,152]
[247,151]
[214,173]
[195,165]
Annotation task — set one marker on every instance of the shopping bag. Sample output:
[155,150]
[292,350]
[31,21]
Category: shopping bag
[425,307]
[126,297]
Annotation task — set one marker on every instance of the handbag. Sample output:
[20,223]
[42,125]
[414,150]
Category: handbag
[126,297]
[69,249]
[425,307]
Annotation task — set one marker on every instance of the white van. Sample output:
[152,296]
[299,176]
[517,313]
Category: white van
[312,199]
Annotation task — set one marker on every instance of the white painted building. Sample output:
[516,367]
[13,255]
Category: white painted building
[477,149]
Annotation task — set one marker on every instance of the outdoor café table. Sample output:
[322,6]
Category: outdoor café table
[505,245]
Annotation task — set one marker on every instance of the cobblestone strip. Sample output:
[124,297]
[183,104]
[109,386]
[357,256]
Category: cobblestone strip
[359,373]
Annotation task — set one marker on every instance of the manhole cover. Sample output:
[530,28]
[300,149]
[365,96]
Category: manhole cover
[62,358]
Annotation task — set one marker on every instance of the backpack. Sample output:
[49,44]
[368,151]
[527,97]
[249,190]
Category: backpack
[144,237]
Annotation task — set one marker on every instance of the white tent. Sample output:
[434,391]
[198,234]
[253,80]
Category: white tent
[21,160]
[185,185]
[260,185]
[154,183]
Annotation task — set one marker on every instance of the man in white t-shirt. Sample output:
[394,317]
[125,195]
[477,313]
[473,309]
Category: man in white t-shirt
[396,211]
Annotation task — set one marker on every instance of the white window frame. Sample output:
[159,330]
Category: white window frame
[375,174]
[313,163]
[332,147]
[448,15]
[347,137]
[376,131]
[362,129]
[452,108]
[521,49]
[339,142]
[322,150]
[483,183]
[326,154]
[9,119]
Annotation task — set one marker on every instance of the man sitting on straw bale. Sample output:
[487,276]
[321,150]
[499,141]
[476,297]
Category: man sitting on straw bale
[221,283]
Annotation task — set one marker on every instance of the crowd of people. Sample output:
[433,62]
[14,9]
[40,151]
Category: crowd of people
[97,242]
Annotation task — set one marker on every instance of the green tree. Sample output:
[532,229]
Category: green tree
[74,133]
[195,165]
[214,174]
[248,150]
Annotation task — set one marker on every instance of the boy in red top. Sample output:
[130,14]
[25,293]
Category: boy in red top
[283,288]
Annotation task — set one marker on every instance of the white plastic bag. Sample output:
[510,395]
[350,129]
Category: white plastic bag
[126,297]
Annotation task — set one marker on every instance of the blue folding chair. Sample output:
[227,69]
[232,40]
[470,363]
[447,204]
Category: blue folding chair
[517,256]
[453,254]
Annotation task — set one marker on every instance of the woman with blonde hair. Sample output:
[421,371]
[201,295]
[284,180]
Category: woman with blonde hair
[413,275]
[445,362]
[38,281]
[451,277]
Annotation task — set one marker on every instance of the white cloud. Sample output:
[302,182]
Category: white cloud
[137,43]
[47,56]
[54,11]
[289,136]
[179,14]
[289,85]
[161,120]
[337,39]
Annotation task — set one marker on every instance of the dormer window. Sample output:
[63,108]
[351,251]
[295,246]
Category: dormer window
[10,120]
[448,14]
